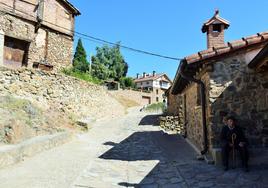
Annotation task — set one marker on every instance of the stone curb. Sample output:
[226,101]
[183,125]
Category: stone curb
[12,154]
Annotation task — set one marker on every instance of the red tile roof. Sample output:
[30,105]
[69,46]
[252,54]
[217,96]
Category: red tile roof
[148,78]
[198,58]
[227,48]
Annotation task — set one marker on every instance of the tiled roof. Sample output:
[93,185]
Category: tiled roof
[196,60]
[215,18]
[227,48]
[148,78]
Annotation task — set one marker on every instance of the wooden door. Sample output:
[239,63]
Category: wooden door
[15,52]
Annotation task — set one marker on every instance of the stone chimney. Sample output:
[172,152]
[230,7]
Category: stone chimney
[138,75]
[154,73]
[144,74]
[215,30]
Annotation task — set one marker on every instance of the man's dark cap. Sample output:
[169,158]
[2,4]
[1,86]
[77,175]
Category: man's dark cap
[231,117]
[223,113]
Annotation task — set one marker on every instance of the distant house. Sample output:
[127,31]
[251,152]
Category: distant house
[227,77]
[156,84]
[36,33]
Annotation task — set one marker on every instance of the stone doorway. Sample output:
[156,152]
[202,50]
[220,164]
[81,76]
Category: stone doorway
[15,52]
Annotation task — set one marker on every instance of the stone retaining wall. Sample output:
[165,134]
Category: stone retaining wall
[60,99]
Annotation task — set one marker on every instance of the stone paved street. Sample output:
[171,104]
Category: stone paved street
[130,152]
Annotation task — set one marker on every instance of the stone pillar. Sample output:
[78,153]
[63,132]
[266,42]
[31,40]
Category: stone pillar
[2,40]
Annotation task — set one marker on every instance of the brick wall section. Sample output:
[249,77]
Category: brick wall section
[215,39]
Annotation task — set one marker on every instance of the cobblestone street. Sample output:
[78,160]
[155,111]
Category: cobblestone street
[130,152]
[149,158]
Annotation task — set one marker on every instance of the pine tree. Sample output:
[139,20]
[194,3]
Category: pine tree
[80,62]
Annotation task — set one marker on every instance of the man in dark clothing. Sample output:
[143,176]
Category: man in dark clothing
[232,137]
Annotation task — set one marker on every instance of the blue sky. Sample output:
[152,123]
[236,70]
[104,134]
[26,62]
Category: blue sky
[167,27]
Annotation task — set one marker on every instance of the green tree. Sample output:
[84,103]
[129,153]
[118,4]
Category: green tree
[80,62]
[108,63]
[127,82]
[125,69]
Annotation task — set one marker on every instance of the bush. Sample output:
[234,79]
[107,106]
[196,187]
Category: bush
[127,82]
[82,76]
[156,107]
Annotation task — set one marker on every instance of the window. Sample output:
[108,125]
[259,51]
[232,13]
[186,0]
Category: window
[147,83]
[157,91]
[217,28]
[157,99]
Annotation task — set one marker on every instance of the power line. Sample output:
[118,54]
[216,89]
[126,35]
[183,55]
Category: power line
[99,40]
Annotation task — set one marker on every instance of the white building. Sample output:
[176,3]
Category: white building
[156,83]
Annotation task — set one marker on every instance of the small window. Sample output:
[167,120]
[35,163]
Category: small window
[157,91]
[147,83]
[157,99]
[217,28]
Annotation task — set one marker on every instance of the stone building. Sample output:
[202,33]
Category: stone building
[154,83]
[227,77]
[36,33]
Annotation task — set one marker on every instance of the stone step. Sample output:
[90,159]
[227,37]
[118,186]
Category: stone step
[11,154]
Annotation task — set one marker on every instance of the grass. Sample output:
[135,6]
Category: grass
[126,102]
[155,107]
[82,76]
[19,109]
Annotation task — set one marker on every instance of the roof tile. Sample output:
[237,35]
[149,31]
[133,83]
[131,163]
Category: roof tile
[237,44]
[253,39]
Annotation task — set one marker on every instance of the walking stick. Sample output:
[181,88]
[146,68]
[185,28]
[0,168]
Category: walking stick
[233,143]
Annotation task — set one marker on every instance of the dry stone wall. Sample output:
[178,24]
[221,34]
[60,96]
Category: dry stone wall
[58,96]
[172,125]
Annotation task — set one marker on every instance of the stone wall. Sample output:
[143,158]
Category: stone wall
[193,121]
[58,97]
[137,95]
[57,48]
[241,92]
[172,125]
[174,102]
[188,107]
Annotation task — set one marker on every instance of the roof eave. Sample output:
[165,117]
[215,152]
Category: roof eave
[76,12]
[259,58]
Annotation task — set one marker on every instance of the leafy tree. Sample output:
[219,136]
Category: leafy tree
[127,82]
[125,69]
[80,62]
[109,63]
[99,70]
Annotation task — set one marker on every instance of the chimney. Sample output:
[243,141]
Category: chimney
[144,74]
[214,28]
[138,75]
[154,73]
